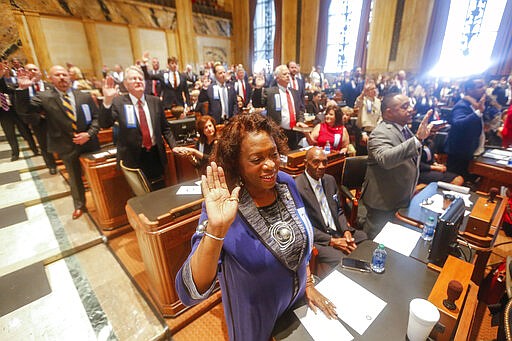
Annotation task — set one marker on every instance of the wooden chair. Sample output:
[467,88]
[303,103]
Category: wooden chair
[352,177]
[136,179]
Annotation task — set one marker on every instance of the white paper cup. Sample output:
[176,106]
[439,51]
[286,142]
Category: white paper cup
[423,316]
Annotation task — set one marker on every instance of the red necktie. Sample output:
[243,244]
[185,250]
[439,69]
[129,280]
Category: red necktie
[37,87]
[243,89]
[175,80]
[144,128]
[294,81]
[154,89]
[290,109]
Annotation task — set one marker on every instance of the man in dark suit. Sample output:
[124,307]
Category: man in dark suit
[466,136]
[40,129]
[220,95]
[153,86]
[142,124]
[72,118]
[174,89]
[242,86]
[190,76]
[282,103]
[393,162]
[332,236]
[296,82]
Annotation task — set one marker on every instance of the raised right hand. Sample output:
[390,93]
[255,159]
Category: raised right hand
[221,206]
[24,80]
[110,90]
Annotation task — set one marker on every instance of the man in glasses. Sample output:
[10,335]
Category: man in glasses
[393,159]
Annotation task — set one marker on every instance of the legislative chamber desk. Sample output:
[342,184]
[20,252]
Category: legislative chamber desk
[109,188]
[493,173]
[295,163]
[164,223]
[416,215]
[405,278]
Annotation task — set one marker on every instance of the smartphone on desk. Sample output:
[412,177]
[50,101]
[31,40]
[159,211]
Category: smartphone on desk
[355,264]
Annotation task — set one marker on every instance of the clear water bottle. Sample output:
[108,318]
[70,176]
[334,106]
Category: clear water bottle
[429,228]
[327,148]
[379,259]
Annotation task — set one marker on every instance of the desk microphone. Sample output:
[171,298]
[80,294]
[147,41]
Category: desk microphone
[493,192]
[453,291]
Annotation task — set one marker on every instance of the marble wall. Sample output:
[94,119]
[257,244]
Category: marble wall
[123,29]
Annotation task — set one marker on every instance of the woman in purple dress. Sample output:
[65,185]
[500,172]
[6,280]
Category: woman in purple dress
[253,234]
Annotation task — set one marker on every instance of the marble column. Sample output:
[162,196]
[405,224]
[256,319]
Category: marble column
[308,33]
[289,31]
[39,40]
[240,49]
[135,42]
[94,49]
[186,35]
[24,35]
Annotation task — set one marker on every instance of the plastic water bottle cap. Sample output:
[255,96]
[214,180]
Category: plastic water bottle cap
[381,246]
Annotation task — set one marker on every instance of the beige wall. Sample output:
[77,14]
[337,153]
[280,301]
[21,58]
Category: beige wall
[114,44]
[66,42]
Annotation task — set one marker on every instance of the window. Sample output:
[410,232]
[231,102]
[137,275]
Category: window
[469,37]
[264,32]
[343,27]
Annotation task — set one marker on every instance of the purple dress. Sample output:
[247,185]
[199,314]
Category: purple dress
[257,287]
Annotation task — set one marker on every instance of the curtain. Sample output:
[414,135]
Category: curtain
[321,37]
[435,36]
[252,12]
[502,51]
[278,32]
[364,27]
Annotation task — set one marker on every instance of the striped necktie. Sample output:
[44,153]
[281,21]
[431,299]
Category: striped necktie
[69,111]
[3,102]
[326,212]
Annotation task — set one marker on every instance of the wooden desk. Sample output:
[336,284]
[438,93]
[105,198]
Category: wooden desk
[109,188]
[493,174]
[295,163]
[164,223]
[404,279]
[417,215]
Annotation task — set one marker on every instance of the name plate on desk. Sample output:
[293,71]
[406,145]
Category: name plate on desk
[164,206]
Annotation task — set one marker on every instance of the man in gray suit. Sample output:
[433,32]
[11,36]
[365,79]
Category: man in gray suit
[393,159]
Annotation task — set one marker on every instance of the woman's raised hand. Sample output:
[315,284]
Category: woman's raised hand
[221,206]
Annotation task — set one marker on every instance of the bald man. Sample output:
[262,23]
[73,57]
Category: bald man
[333,237]
[72,118]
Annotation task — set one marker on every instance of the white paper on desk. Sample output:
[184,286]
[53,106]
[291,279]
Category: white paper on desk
[465,197]
[198,183]
[100,155]
[112,151]
[355,305]
[184,190]
[398,238]
[321,328]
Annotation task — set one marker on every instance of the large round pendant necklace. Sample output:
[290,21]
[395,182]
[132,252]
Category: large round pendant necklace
[281,231]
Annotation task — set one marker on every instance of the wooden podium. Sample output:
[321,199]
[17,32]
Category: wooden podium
[109,188]
[164,223]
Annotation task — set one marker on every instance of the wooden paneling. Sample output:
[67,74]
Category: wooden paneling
[186,33]
[241,29]
[94,49]
[147,38]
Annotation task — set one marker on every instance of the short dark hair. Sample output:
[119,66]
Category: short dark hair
[227,152]
[470,83]
[387,101]
[172,59]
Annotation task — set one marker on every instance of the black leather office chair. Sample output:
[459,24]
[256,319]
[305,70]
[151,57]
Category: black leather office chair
[352,177]
[136,179]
